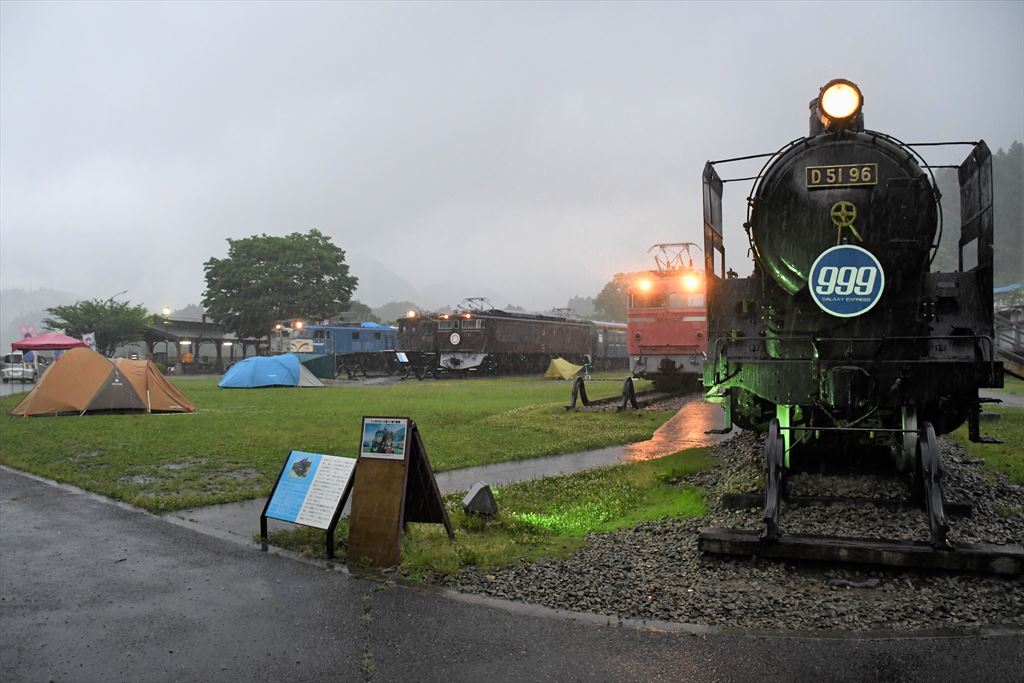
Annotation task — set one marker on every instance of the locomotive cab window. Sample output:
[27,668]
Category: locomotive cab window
[647,300]
[355,335]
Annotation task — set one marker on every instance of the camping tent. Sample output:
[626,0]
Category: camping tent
[83,381]
[320,364]
[48,341]
[268,371]
[159,395]
[559,368]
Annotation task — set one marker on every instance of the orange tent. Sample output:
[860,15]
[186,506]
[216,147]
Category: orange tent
[159,395]
[82,381]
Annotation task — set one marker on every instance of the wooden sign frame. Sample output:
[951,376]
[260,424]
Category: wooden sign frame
[388,493]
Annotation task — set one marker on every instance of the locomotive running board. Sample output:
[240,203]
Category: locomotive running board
[1007,560]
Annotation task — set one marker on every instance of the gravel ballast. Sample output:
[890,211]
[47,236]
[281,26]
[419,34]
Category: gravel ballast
[654,571]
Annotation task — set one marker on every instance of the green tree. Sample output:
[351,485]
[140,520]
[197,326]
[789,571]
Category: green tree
[265,278]
[114,322]
[610,303]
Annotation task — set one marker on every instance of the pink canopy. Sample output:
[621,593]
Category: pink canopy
[47,341]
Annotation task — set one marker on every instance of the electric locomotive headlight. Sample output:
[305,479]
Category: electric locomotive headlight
[410,314]
[644,285]
[298,324]
[691,283]
[839,101]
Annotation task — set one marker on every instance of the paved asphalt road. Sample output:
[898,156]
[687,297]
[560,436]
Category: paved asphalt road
[94,591]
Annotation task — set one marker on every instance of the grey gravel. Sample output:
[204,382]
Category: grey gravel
[654,570]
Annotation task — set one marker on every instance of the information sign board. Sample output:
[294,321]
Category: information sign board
[391,490]
[311,490]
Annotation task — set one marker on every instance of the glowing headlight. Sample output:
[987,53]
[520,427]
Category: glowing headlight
[645,285]
[691,282]
[298,325]
[410,314]
[840,100]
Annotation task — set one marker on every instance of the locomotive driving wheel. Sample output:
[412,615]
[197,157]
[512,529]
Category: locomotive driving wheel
[774,464]
[929,469]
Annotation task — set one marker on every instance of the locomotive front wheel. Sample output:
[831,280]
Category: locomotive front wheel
[930,467]
[774,462]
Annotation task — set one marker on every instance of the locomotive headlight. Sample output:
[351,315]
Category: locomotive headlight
[467,316]
[298,324]
[840,100]
[691,282]
[645,285]
[410,314]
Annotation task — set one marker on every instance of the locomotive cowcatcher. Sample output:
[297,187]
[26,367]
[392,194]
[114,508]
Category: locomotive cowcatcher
[667,323]
[843,338]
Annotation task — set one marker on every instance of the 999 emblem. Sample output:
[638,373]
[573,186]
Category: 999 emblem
[846,281]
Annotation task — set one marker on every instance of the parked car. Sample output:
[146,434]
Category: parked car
[14,367]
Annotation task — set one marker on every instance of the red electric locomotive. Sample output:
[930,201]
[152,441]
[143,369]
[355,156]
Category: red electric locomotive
[667,322]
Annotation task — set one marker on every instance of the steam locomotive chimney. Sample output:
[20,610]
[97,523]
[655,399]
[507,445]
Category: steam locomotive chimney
[817,127]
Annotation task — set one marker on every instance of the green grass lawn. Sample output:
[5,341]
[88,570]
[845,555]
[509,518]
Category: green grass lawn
[541,518]
[1006,457]
[1012,385]
[233,448]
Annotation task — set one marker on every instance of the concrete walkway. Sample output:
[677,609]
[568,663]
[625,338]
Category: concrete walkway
[1008,400]
[684,430]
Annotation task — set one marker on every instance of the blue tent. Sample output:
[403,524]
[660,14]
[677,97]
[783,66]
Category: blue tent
[268,371]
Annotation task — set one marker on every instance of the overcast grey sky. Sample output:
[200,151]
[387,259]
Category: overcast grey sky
[523,151]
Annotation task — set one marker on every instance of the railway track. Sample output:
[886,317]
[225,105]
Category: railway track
[657,571]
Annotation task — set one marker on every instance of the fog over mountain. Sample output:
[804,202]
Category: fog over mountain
[521,151]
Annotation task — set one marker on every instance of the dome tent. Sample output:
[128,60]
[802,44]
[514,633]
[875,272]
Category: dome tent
[83,381]
[268,371]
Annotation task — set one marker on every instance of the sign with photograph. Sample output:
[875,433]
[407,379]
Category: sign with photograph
[310,489]
[384,437]
[394,485]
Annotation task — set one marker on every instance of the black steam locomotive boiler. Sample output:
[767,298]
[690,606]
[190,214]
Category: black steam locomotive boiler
[844,338]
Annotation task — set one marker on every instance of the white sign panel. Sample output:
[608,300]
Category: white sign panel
[310,488]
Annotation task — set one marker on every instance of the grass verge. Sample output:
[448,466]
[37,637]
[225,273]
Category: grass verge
[1012,385]
[1006,457]
[542,518]
[233,448]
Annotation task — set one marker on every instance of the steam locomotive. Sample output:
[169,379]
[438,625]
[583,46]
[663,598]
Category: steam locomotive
[666,319]
[843,338]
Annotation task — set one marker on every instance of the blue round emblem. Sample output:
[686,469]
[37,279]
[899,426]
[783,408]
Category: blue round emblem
[846,281]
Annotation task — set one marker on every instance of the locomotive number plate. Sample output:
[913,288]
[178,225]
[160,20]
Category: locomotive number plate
[842,175]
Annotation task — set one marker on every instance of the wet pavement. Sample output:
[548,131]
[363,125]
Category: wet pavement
[93,590]
[1006,400]
[686,429]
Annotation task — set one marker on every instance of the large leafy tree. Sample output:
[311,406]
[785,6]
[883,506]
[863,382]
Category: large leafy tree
[266,278]
[610,303]
[114,322]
